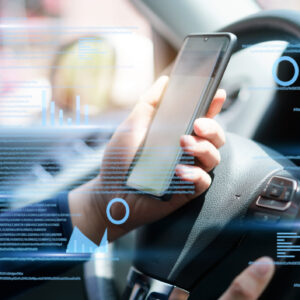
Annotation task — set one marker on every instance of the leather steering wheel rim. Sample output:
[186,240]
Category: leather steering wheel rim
[266,26]
[246,179]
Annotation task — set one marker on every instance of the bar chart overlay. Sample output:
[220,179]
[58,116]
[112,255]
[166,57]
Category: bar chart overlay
[57,116]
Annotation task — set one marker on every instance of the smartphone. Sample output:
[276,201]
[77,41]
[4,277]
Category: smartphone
[194,80]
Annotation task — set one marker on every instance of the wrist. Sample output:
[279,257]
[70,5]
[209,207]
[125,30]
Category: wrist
[87,209]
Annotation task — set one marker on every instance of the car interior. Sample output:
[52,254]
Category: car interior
[196,252]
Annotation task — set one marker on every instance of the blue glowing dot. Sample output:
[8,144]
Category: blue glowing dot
[110,218]
[296,69]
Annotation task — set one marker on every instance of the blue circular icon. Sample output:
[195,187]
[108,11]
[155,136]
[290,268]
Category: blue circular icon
[110,218]
[296,69]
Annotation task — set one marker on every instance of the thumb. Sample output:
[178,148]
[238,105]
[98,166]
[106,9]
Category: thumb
[251,282]
[131,133]
[154,94]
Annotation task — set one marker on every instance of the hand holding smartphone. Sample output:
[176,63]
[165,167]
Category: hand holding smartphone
[194,80]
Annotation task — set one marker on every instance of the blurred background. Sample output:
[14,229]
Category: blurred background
[100,51]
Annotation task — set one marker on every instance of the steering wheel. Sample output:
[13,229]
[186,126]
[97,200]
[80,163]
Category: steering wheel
[254,194]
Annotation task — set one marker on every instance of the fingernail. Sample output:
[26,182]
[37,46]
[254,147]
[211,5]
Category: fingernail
[185,172]
[262,266]
[186,140]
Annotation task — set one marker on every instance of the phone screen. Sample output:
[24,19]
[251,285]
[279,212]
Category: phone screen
[191,77]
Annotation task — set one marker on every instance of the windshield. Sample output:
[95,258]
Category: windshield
[279,4]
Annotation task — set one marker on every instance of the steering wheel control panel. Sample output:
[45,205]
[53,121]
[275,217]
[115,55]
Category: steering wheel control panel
[278,193]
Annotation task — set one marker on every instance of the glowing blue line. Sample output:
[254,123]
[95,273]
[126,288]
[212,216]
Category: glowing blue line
[61,117]
[66,67]
[19,106]
[287,256]
[39,278]
[290,250]
[283,246]
[52,113]
[13,18]
[13,96]
[10,194]
[41,53]
[48,86]
[78,110]
[272,51]
[35,43]
[44,116]
[285,233]
[18,81]
[86,114]
[65,32]
[296,88]
[11,110]
[80,27]
[76,258]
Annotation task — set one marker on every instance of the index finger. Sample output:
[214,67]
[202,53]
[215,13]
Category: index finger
[217,103]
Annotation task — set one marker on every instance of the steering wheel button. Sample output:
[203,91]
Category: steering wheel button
[274,191]
[280,188]
[287,182]
[272,204]
[286,196]
[279,181]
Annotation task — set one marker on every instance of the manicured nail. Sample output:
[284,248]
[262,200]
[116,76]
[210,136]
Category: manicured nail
[262,266]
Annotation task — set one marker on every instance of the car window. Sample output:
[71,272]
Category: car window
[277,4]
[51,48]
